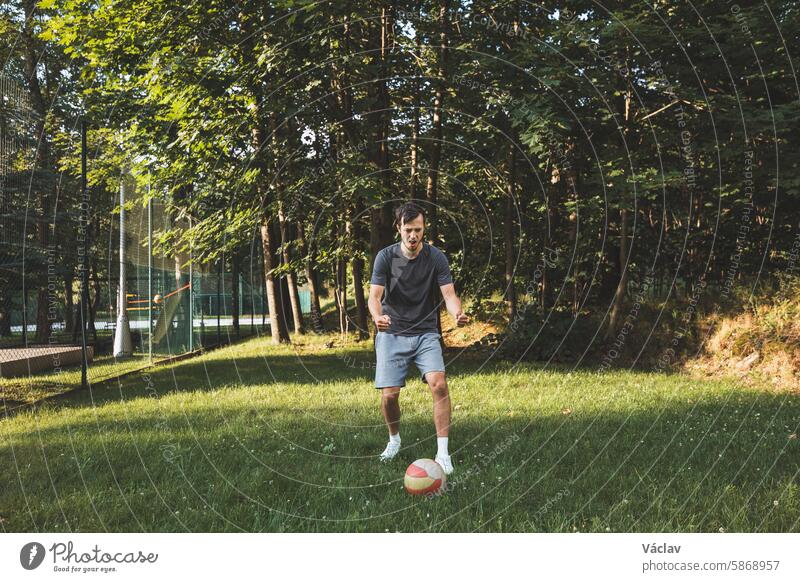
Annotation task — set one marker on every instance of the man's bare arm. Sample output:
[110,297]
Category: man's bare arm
[376,309]
[453,304]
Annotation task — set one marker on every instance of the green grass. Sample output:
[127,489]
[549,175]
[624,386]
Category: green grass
[260,438]
[45,384]
[33,388]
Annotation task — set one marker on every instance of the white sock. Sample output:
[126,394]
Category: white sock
[394,438]
[441,442]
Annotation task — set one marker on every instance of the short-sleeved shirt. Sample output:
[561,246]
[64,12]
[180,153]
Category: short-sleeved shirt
[409,295]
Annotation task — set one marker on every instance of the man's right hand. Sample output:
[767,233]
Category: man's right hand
[383,322]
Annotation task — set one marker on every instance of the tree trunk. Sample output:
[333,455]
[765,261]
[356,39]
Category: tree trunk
[576,278]
[431,190]
[508,229]
[340,101]
[277,323]
[261,120]
[277,236]
[572,182]
[361,304]
[375,235]
[358,273]
[381,234]
[5,316]
[340,293]
[69,307]
[78,320]
[235,299]
[387,42]
[30,62]
[291,277]
[415,125]
[307,251]
[619,295]
[412,193]
[93,308]
[544,300]
[42,321]
[263,281]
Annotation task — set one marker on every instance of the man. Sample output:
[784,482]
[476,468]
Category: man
[401,301]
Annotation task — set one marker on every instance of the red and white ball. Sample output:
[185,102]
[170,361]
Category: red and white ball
[424,476]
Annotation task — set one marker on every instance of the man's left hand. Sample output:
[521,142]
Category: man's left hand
[461,319]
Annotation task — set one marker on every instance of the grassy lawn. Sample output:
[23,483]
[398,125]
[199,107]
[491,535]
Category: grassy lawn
[30,389]
[33,388]
[260,438]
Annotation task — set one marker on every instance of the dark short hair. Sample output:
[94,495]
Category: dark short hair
[407,212]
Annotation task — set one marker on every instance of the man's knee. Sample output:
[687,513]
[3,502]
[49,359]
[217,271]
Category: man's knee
[438,384]
[390,394]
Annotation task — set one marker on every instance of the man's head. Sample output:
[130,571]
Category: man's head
[410,222]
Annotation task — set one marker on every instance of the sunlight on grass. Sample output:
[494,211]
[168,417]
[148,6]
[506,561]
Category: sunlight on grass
[38,386]
[258,437]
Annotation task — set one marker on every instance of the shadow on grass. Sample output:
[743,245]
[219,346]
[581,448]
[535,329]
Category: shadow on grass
[222,463]
[277,366]
[305,371]
[220,369]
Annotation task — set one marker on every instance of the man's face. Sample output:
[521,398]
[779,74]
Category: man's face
[411,233]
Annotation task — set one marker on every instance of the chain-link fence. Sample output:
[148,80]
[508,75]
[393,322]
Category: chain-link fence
[60,249]
[17,164]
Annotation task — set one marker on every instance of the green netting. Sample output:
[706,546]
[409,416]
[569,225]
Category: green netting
[17,163]
[176,305]
[159,283]
[173,304]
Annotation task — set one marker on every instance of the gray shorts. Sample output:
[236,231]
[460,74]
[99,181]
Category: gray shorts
[396,352]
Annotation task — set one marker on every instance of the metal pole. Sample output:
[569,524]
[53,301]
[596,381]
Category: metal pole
[149,272]
[24,313]
[82,256]
[263,285]
[219,306]
[191,296]
[123,345]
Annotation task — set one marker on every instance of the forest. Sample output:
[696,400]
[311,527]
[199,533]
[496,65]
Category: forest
[584,166]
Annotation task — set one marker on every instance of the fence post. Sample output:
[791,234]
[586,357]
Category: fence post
[238,282]
[83,261]
[191,294]
[24,313]
[149,273]
[219,306]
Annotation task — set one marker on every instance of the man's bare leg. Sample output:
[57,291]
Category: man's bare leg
[441,417]
[390,406]
[441,402]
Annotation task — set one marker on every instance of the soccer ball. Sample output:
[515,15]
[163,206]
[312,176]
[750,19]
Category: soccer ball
[424,476]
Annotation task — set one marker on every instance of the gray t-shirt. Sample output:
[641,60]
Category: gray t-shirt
[408,298]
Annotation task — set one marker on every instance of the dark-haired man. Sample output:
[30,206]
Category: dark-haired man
[401,301]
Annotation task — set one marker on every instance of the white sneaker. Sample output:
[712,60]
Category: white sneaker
[390,452]
[445,463]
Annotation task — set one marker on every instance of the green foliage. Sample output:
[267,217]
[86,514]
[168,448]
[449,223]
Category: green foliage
[238,112]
